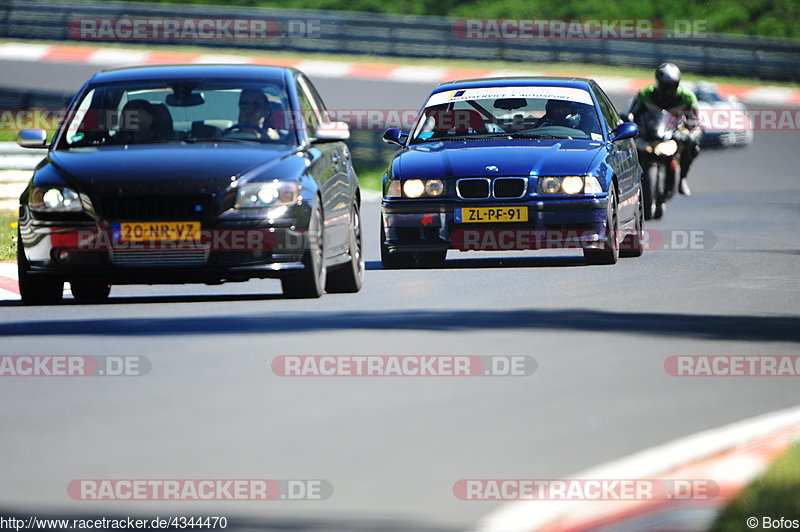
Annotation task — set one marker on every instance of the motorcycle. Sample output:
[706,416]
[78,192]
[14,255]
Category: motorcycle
[659,146]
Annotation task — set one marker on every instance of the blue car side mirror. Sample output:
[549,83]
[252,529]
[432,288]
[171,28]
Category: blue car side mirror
[626,130]
[394,135]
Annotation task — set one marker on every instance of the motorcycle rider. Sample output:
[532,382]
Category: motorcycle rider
[667,94]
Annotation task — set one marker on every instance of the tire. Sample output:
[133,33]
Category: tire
[660,192]
[394,261]
[610,252]
[431,259]
[649,187]
[90,291]
[36,291]
[309,283]
[348,278]
[633,245]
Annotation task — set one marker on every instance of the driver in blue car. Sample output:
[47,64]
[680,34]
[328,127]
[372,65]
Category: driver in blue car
[667,94]
[254,116]
[560,113]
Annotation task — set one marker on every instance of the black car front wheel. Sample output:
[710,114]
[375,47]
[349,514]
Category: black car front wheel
[36,291]
[310,281]
[349,278]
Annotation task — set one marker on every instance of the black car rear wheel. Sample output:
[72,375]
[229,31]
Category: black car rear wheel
[90,291]
[36,291]
[610,252]
[310,281]
[394,261]
[350,277]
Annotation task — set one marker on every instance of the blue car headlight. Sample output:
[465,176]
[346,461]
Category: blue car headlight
[267,195]
[55,199]
[571,184]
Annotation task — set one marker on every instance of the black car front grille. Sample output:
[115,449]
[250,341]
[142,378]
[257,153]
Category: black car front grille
[156,208]
[513,187]
[473,188]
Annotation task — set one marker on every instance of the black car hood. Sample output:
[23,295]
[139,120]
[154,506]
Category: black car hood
[164,168]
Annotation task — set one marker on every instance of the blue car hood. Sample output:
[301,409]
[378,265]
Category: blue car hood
[517,157]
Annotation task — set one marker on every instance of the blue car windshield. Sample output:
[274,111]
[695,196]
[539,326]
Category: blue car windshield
[535,112]
[153,112]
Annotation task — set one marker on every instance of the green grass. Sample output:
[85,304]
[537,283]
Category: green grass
[776,18]
[370,177]
[8,249]
[775,494]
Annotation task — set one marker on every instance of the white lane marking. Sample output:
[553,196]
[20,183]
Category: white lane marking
[420,74]
[23,52]
[512,73]
[9,269]
[115,57]
[769,95]
[325,69]
[221,59]
[524,516]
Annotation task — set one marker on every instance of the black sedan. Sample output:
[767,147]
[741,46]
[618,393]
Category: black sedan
[191,174]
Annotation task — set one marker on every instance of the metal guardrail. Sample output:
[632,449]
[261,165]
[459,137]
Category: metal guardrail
[414,36]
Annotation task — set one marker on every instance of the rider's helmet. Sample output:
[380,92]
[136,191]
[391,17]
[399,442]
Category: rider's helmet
[668,77]
[562,113]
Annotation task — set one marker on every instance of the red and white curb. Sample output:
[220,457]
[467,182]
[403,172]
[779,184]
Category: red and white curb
[731,456]
[115,57]
[9,287]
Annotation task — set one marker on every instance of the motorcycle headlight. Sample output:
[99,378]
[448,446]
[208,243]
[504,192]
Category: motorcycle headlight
[55,199]
[267,194]
[667,148]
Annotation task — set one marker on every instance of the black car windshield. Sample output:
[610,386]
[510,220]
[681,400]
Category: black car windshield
[152,112]
[519,112]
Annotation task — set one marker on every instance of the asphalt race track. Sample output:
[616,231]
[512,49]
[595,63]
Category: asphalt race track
[393,447]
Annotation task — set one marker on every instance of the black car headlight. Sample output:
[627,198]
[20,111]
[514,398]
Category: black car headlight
[55,199]
[268,195]
[570,184]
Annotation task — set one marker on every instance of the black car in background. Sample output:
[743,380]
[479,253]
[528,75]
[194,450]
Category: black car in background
[191,174]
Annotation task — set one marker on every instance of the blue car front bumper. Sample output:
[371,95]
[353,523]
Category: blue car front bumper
[426,225]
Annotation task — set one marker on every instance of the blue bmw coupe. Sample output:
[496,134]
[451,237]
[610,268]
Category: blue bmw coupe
[510,164]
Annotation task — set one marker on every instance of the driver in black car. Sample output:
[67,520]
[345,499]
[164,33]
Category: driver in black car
[254,116]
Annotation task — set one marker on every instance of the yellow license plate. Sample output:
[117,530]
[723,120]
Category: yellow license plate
[159,231]
[468,215]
